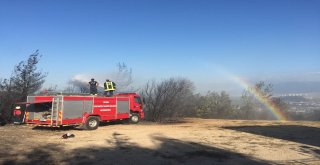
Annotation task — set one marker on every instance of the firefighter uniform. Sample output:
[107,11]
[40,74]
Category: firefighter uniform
[109,88]
[93,87]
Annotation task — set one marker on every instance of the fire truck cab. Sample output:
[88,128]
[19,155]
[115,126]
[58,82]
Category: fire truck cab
[88,111]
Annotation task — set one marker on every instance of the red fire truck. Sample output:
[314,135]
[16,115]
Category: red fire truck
[88,111]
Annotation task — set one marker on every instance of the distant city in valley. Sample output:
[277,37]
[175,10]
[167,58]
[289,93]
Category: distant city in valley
[302,102]
[302,97]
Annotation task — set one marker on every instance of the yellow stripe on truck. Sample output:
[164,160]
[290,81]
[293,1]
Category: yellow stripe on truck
[27,116]
[60,116]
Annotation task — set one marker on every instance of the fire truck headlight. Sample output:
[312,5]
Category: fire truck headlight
[18,107]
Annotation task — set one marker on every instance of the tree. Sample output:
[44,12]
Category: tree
[215,105]
[281,105]
[248,109]
[263,89]
[251,109]
[7,99]
[25,80]
[166,99]
[224,106]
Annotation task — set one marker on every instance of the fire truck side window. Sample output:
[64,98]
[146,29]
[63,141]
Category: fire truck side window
[137,100]
[39,107]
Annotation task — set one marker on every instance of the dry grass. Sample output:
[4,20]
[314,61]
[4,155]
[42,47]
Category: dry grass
[191,141]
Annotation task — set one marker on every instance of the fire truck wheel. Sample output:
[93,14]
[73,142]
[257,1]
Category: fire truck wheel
[135,118]
[92,123]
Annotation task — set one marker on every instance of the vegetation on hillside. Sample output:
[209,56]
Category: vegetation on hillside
[170,98]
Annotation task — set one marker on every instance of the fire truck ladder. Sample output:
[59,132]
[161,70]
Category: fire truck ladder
[56,106]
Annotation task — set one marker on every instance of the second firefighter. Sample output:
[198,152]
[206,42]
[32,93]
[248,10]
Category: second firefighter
[109,88]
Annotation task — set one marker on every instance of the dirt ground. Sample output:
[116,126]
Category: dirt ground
[191,141]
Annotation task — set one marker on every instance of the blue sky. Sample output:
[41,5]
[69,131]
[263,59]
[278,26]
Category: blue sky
[203,40]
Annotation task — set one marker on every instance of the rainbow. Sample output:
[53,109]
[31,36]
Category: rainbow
[275,110]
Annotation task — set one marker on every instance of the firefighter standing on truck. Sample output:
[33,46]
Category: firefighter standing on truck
[109,88]
[93,87]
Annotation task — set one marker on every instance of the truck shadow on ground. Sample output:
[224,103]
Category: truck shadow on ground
[76,127]
[295,133]
[169,151]
[103,124]
[64,128]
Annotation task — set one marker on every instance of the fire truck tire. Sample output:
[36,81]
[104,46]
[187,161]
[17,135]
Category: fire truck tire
[92,123]
[135,118]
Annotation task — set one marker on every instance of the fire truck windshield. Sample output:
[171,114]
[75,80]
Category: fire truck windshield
[137,99]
